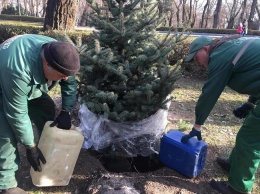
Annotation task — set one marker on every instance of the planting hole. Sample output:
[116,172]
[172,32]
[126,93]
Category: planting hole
[119,164]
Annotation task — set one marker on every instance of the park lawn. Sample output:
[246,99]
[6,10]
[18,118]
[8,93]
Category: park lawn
[21,23]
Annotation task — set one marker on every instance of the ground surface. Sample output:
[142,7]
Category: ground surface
[91,177]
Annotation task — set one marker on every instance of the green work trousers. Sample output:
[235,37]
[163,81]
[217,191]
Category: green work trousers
[40,110]
[245,156]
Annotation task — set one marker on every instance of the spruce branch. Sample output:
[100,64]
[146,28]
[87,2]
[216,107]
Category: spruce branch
[127,62]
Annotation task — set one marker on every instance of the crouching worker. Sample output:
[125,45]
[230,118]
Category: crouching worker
[231,61]
[30,65]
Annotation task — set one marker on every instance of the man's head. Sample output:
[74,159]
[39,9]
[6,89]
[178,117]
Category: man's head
[196,45]
[62,57]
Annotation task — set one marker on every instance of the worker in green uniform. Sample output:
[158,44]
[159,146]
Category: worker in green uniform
[30,65]
[231,61]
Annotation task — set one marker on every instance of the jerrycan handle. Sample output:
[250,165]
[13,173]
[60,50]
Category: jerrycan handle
[73,127]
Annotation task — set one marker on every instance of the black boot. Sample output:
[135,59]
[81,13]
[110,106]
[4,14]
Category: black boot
[15,190]
[224,187]
[223,163]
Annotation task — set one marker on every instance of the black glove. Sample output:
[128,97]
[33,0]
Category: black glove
[193,133]
[63,120]
[34,155]
[243,110]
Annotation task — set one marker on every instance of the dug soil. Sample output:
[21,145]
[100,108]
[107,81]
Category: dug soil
[90,175]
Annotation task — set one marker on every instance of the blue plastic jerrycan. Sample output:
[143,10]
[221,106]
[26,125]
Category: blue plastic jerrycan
[187,159]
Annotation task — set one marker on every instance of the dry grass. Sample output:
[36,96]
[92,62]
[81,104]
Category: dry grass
[19,23]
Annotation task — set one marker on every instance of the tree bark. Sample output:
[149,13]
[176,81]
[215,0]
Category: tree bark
[178,11]
[243,10]
[25,3]
[190,10]
[43,11]
[19,7]
[194,13]
[184,11]
[252,13]
[4,4]
[31,8]
[217,13]
[60,14]
[203,14]
[258,12]
[235,9]
[37,8]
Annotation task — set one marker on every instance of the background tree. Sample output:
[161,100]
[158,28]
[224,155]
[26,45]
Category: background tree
[19,7]
[31,7]
[193,13]
[60,15]
[216,14]
[208,17]
[9,10]
[206,6]
[178,6]
[4,4]
[258,12]
[184,17]
[42,12]
[198,13]
[168,11]
[243,14]
[25,4]
[234,10]
[252,14]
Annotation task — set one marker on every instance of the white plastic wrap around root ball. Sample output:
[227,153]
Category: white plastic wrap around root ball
[127,139]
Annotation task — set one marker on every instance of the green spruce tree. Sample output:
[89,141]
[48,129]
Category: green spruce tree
[126,75]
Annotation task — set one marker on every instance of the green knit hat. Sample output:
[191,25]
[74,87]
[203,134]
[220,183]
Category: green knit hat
[196,45]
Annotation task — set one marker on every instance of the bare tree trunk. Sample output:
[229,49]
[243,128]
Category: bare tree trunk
[19,7]
[25,2]
[60,15]
[203,14]
[160,8]
[208,13]
[37,8]
[31,8]
[231,23]
[243,10]
[190,10]
[233,13]
[194,13]
[184,11]
[169,10]
[217,13]
[178,12]
[170,18]
[43,12]
[252,13]
[4,3]
[258,12]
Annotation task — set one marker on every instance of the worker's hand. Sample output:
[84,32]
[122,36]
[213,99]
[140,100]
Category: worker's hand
[192,133]
[62,121]
[243,110]
[34,156]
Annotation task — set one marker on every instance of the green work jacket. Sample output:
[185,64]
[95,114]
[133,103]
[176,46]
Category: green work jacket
[243,77]
[22,79]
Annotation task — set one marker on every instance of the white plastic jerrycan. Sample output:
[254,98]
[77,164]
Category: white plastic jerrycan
[61,150]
